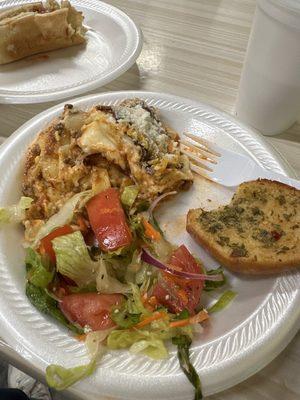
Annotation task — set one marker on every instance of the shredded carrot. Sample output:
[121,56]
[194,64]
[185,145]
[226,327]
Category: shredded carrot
[183,295]
[146,303]
[81,337]
[150,231]
[201,316]
[179,323]
[157,315]
[150,303]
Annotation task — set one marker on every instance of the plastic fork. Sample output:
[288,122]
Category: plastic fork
[224,166]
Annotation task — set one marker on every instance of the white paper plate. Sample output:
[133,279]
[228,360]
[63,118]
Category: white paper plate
[239,341]
[113,44]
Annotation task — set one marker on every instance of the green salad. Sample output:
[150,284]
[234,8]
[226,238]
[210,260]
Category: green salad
[102,268]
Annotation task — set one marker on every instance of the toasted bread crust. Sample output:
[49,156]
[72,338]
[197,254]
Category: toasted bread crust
[263,258]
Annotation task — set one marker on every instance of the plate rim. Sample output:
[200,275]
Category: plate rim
[134,52]
[275,348]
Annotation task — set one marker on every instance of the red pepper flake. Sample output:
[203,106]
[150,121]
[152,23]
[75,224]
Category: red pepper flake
[276,235]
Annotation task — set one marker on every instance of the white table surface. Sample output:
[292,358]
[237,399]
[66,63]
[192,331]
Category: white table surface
[195,48]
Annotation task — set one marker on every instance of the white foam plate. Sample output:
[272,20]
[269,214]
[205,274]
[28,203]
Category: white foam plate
[238,342]
[113,44]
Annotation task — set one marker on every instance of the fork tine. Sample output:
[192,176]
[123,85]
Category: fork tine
[199,151]
[196,159]
[200,171]
[204,144]
[200,165]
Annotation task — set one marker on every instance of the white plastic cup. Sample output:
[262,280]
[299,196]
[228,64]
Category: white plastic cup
[269,92]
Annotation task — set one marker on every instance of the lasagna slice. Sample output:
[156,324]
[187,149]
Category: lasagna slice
[114,146]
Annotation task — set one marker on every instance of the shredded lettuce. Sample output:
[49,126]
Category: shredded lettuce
[212,285]
[91,288]
[162,249]
[129,195]
[148,341]
[120,252]
[124,319]
[140,273]
[47,305]
[133,267]
[183,344]
[93,342]
[120,259]
[73,259]
[134,302]
[153,348]
[60,378]
[143,275]
[16,212]
[39,271]
[108,284]
[136,225]
[64,215]
[223,301]
[184,314]
[131,312]
[123,339]
[163,331]
[138,341]
[142,205]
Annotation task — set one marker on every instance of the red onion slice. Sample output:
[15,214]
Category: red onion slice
[150,259]
[156,201]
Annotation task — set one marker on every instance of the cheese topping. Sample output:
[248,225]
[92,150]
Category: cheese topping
[147,131]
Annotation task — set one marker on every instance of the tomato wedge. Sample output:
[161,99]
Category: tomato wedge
[90,309]
[107,219]
[175,293]
[46,242]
